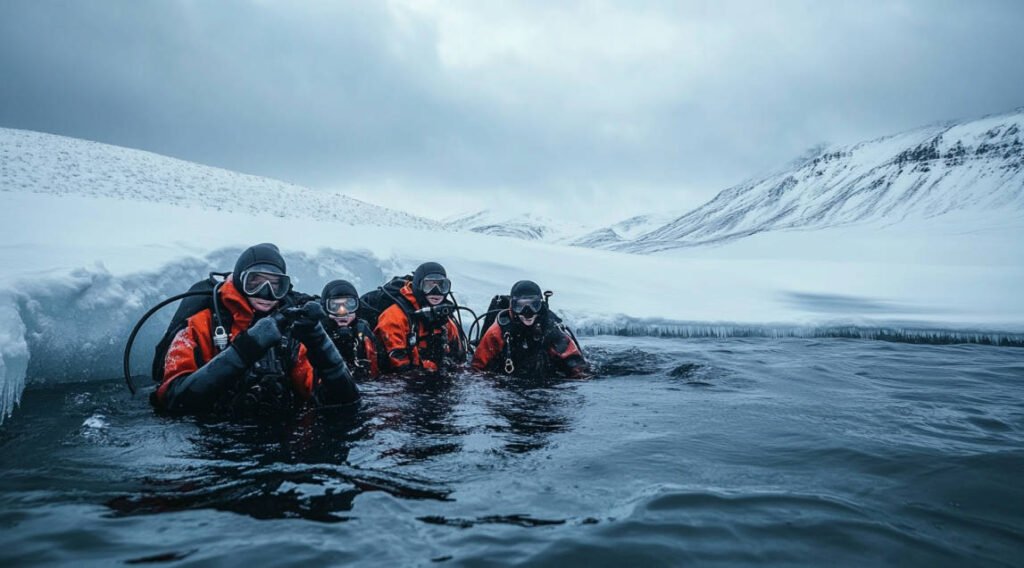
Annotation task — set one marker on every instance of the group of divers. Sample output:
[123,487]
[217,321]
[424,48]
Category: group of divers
[249,346]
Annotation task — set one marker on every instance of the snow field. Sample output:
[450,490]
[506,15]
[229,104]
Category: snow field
[82,270]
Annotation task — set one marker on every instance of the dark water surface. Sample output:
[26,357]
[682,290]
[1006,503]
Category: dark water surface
[706,452]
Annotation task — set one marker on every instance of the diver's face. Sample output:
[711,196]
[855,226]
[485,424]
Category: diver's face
[528,321]
[261,305]
[434,299]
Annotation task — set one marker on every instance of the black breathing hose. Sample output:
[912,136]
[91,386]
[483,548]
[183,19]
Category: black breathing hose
[465,309]
[477,321]
[458,314]
[138,326]
[462,329]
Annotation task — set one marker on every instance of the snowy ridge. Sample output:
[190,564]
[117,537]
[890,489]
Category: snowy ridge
[525,226]
[45,163]
[924,174]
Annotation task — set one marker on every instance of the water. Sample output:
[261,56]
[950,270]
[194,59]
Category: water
[706,452]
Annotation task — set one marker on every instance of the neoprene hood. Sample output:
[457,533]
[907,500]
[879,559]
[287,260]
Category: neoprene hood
[336,288]
[422,271]
[263,253]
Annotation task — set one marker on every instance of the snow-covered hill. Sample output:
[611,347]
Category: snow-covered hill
[972,169]
[525,226]
[44,163]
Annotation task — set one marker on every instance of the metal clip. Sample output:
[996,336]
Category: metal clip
[220,338]
[509,367]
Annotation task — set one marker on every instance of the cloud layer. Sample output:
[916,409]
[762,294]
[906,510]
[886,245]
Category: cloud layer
[603,108]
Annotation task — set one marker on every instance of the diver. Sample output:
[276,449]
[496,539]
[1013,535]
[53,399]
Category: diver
[529,340]
[275,357]
[418,330]
[351,335]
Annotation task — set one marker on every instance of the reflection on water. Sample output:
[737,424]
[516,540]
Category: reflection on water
[293,470]
[530,410]
[710,451]
[300,469]
[418,411]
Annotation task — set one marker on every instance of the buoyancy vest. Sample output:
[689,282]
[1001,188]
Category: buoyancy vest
[524,352]
[539,350]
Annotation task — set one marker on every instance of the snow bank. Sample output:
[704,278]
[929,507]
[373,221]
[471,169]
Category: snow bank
[13,356]
[75,327]
[71,325]
[634,327]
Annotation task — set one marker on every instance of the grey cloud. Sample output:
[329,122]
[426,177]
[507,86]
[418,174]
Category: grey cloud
[331,95]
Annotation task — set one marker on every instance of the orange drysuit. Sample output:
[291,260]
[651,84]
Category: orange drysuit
[407,349]
[193,346]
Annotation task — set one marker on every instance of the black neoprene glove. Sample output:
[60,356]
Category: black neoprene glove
[555,337]
[336,385]
[307,319]
[252,343]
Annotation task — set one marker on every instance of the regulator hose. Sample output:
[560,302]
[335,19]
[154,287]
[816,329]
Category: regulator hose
[138,326]
[459,308]
[476,323]
[462,328]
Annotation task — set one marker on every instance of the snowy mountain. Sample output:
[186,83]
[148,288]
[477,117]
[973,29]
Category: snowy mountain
[623,231]
[525,226]
[44,163]
[973,168]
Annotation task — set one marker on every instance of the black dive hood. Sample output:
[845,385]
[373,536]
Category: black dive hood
[417,279]
[263,253]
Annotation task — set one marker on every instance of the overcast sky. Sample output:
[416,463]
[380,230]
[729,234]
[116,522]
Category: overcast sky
[599,109]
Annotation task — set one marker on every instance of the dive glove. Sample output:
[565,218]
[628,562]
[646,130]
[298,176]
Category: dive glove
[555,337]
[252,343]
[307,317]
